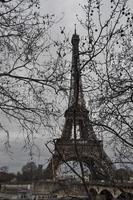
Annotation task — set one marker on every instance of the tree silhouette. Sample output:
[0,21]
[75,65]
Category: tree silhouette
[29,74]
[106,52]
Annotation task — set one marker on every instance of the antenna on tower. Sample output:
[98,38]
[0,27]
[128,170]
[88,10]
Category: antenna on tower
[75,29]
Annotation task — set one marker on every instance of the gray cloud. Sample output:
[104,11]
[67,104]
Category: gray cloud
[16,156]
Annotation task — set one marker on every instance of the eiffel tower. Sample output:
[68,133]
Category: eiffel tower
[78,141]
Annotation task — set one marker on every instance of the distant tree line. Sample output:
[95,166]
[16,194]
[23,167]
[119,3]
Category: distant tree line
[29,172]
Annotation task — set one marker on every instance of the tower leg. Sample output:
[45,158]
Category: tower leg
[51,170]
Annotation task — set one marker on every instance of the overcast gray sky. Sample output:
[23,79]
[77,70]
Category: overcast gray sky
[61,8]
[66,9]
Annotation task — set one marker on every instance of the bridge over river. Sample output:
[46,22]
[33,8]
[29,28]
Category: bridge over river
[99,190]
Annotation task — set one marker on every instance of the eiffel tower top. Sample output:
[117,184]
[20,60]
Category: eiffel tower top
[76,90]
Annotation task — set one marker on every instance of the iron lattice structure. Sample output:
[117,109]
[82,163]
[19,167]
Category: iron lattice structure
[85,147]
